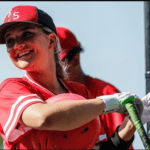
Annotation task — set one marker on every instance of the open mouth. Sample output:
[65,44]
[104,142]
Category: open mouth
[24,53]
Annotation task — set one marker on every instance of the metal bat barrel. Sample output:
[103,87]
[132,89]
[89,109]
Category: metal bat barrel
[129,104]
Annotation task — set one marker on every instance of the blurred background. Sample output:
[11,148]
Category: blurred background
[111,33]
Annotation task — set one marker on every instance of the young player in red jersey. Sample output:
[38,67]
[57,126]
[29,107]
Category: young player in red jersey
[29,117]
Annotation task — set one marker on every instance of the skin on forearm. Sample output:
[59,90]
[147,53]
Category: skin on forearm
[126,130]
[63,115]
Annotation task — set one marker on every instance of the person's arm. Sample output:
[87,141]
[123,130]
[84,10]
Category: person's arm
[63,115]
[126,130]
[122,138]
[68,115]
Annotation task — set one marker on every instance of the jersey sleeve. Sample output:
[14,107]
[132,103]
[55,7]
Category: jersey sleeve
[15,96]
[110,89]
[78,88]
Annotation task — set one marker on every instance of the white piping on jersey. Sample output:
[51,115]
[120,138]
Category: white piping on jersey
[37,83]
[102,137]
[17,113]
[13,108]
[30,79]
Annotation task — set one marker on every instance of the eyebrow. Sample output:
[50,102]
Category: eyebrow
[21,29]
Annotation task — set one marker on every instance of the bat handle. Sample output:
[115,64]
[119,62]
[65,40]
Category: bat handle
[129,104]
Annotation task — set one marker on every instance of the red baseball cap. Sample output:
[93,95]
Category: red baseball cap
[26,14]
[67,41]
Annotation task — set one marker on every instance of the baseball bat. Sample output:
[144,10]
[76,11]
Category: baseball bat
[129,104]
[1,143]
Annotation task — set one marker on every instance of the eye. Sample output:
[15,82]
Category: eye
[9,42]
[27,33]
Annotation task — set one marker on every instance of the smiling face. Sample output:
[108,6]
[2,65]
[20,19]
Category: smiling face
[29,47]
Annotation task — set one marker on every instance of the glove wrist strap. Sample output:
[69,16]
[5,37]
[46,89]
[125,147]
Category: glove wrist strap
[111,103]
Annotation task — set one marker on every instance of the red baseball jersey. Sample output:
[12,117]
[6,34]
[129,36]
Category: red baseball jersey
[99,87]
[16,94]
[109,121]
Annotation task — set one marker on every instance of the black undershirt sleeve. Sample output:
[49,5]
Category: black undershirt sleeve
[116,143]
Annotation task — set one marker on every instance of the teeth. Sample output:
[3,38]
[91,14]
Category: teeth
[23,53]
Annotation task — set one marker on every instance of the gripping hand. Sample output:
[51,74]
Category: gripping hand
[113,102]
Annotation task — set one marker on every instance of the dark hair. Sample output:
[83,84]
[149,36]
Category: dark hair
[73,52]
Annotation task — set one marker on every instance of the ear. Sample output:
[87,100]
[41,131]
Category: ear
[52,40]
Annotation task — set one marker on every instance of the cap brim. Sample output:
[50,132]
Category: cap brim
[7,25]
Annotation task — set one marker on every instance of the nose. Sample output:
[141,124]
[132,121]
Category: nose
[19,46]
[16,48]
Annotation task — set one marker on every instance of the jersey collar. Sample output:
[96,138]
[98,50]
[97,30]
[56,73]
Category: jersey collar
[63,82]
